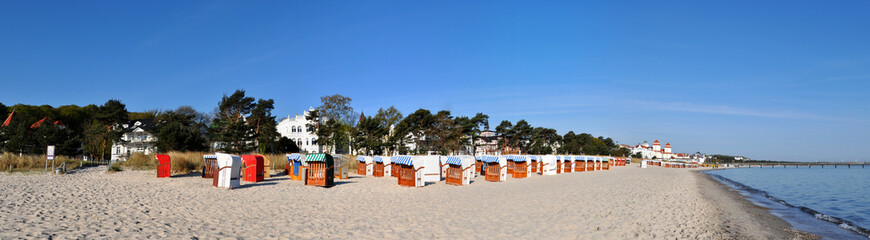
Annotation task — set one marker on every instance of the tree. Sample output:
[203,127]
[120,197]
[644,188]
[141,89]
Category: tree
[389,118]
[286,145]
[504,129]
[370,135]
[470,129]
[230,125]
[445,134]
[313,125]
[338,109]
[264,124]
[104,129]
[522,135]
[184,129]
[416,125]
[3,112]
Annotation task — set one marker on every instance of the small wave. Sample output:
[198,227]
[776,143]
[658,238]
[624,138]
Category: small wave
[841,223]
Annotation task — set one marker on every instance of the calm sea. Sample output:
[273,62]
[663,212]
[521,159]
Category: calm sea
[831,202]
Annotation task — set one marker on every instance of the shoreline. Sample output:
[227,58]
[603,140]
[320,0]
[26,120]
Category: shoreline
[742,218]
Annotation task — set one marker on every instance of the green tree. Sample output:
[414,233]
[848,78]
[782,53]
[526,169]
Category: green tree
[286,145]
[183,129]
[370,135]
[313,125]
[522,135]
[264,125]
[103,130]
[388,118]
[230,126]
[338,109]
[416,125]
[506,133]
[470,129]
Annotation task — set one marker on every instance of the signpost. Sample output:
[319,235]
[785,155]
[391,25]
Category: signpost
[49,155]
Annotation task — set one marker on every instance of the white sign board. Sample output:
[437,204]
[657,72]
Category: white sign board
[50,152]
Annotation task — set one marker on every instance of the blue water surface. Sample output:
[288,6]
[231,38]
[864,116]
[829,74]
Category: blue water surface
[840,192]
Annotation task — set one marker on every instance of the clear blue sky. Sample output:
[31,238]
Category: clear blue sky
[787,80]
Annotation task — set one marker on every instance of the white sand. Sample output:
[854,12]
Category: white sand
[623,203]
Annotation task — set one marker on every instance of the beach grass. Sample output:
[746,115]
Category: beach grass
[10,162]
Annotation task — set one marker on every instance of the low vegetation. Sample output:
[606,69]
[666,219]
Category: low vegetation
[25,163]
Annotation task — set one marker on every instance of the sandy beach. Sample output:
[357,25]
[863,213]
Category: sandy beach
[623,203]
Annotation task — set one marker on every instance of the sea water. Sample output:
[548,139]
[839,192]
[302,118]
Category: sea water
[831,202]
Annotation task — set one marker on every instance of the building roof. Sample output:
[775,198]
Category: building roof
[148,125]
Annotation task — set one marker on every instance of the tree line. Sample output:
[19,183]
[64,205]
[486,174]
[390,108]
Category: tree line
[244,124]
[340,129]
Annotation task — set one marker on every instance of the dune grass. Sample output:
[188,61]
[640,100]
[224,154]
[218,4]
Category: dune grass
[33,163]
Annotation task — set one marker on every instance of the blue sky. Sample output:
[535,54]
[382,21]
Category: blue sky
[784,80]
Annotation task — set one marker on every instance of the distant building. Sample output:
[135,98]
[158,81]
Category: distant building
[138,136]
[487,143]
[295,128]
[648,152]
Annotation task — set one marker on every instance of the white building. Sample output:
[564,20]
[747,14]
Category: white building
[296,129]
[648,152]
[138,136]
[487,143]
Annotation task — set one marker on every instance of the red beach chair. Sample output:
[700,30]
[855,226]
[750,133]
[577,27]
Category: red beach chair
[163,165]
[254,168]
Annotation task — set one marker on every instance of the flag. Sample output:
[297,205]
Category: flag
[8,119]
[39,123]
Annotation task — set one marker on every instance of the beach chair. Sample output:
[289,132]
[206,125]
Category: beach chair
[558,164]
[164,166]
[378,166]
[443,166]
[496,168]
[568,164]
[590,164]
[396,169]
[365,166]
[320,170]
[533,164]
[521,168]
[253,168]
[580,163]
[548,165]
[227,173]
[409,175]
[294,166]
[478,166]
[341,167]
[605,164]
[597,163]
[460,170]
[209,164]
[267,166]
[510,164]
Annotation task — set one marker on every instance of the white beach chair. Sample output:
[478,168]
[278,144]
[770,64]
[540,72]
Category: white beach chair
[229,167]
[365,165]
[496,168]
[548,165]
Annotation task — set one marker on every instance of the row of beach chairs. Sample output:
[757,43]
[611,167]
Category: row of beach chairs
[667,164]
[416,171]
